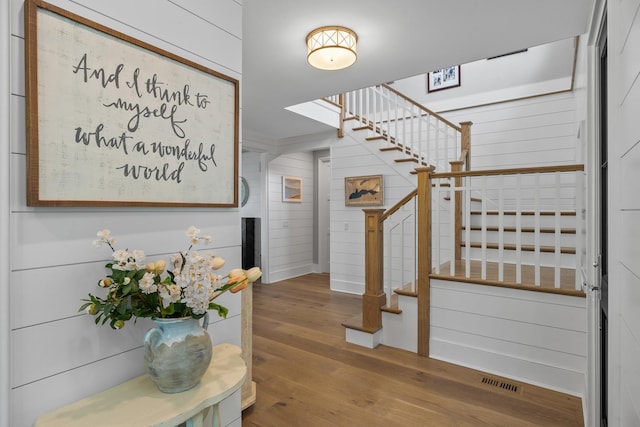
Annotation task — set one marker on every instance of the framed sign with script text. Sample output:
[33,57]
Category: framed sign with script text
[114,121]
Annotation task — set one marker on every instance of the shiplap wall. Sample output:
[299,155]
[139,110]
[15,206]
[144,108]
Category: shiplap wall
[290,240]
[58,355]
[533,337]
[540,131]
[624,222]
[353,156]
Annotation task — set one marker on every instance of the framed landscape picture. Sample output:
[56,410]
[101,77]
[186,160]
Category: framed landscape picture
[444,78]
[291,189]
[363,190]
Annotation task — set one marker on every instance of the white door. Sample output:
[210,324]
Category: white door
[324,191]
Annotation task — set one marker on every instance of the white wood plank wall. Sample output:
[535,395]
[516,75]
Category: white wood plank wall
[57,354]
[540,131]
[624,174]
[290,224]
[529,336]
[352,156]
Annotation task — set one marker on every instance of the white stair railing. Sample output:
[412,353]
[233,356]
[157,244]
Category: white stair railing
[415,131]
[536,204]
[400,257]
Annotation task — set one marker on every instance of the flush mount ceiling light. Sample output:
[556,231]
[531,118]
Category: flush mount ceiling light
[331,48]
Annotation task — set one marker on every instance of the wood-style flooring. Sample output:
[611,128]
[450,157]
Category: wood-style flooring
[308,375]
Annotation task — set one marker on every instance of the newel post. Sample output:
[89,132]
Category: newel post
[465,142]
[374,297]
[457,197]
[424,257]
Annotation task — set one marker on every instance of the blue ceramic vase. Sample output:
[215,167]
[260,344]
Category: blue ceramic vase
[177,353]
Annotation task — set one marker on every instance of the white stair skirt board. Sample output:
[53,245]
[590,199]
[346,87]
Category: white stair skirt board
[363,339]
[401,330]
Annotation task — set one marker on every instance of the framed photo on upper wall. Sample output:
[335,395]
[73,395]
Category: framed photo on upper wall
[115,121]
[444,78]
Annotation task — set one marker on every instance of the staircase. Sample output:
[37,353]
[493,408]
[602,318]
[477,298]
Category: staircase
[474,267]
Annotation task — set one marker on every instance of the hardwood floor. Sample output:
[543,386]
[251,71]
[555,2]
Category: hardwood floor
[308,375]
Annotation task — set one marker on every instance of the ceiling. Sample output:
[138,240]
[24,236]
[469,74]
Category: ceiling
[396,39]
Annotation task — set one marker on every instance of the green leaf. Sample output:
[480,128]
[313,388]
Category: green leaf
[222,311]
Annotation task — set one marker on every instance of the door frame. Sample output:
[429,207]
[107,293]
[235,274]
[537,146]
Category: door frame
[591,279]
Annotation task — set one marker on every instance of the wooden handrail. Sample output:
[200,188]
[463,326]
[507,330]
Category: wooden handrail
[512,171]
[398,205]
[422,107]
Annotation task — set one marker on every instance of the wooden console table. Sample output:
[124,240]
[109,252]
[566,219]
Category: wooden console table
[138,402]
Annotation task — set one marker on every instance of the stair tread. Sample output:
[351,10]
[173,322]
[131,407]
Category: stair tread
[393,310]
[567,285]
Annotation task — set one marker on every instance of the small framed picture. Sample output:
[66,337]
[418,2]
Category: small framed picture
[363,190]
[443,79]
[292,189]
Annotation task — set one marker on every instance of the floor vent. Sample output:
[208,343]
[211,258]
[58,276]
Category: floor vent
[500,384]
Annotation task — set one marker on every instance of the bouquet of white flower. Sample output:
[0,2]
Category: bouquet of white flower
[188,288]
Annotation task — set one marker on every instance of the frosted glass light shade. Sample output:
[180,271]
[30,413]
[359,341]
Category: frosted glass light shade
[331,48]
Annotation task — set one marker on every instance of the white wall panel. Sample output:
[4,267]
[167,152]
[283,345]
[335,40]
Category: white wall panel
[528,132]
[624,330]
[557,359]
[17,66]
[18,138]
[630,372]
[530,336]
[511,330]
[562,380]
[168,27]
[524,309]
[17,17]
[58,354]
[67,344]
[224,14]
[31,400]
[290,224]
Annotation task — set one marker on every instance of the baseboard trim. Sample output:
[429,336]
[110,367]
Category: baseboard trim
[347,287]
